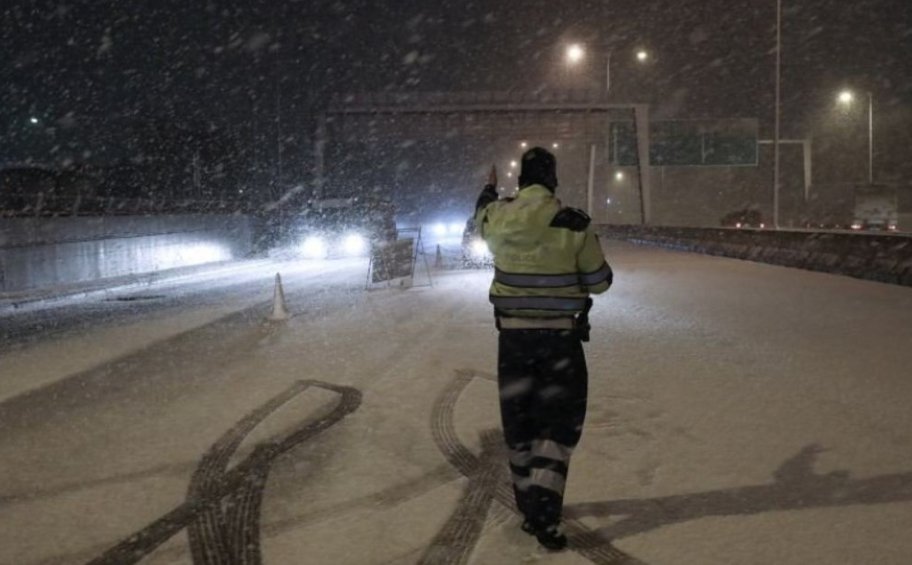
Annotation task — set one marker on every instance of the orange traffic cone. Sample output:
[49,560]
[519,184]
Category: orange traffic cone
[279,310]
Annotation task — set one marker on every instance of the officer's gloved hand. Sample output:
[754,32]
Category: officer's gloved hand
[489,194]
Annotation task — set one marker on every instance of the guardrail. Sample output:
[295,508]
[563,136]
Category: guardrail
[42,206]
[878,257]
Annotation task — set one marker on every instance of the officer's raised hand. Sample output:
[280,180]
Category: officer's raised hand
[489,194]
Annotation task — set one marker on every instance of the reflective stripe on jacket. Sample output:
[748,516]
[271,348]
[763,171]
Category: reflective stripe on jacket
[540,270]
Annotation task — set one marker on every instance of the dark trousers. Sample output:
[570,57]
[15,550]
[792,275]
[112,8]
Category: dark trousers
[543,385]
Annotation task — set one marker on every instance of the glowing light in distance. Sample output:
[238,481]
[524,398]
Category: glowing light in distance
[314,247]
[480,248]
[619,175]
[642,55]
[354,244]
[846,97]
[439,229]
[575,53]
[456,227]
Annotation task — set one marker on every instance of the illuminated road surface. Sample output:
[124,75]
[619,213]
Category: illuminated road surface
[739,413]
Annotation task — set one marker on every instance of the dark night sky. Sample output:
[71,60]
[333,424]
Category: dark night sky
[87,64]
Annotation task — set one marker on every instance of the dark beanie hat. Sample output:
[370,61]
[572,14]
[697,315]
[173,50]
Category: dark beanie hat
[538,167]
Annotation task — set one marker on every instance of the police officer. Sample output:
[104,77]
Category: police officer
[547,262]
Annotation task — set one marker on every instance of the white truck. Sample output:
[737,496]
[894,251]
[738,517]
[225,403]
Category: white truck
[344,227]
[876,208]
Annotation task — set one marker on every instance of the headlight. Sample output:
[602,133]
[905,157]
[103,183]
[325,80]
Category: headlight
[480,248]
[440,229]
[354,244]
[314,247]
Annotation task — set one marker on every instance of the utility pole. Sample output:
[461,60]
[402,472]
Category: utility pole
[870,137]
[278,120]
[778,103]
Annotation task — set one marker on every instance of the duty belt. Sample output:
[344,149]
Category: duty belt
[515,323]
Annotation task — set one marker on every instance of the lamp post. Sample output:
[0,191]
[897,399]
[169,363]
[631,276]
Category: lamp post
[778,105]
[575,53]
[847,98]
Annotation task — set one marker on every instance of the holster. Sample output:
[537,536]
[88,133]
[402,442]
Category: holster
[582,322]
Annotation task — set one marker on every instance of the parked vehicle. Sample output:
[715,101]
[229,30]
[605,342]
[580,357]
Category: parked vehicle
[746,218]
[876,208]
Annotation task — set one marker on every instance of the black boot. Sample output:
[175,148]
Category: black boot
[550,537]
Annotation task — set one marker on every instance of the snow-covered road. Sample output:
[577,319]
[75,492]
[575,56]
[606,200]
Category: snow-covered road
[739,414]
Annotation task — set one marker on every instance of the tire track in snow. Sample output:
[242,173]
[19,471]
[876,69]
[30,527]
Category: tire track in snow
[222,509]
[456,540]
[209,533]
[582,539]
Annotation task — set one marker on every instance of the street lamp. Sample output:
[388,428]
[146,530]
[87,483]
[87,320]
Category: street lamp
[576,53]
[33,120]
[847,98]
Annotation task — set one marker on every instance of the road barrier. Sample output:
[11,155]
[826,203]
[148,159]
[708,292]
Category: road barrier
[39,253]
[872,256]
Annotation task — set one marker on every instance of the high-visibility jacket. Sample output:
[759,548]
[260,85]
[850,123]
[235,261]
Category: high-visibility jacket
[543,268]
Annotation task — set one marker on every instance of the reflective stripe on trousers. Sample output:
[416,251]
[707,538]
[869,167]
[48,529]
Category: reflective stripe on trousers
[527,473]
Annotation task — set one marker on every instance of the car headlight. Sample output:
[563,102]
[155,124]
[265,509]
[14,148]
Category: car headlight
[480,248]
[354,244]
[314,247]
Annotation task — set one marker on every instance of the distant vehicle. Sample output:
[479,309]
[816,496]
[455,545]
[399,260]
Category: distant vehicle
[746,218]
[344,227]
[475,252]
[876,208]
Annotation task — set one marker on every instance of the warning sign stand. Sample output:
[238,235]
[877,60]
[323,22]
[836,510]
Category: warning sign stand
[394,263]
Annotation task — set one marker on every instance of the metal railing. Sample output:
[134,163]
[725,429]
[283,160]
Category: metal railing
[380,101]
[14,205]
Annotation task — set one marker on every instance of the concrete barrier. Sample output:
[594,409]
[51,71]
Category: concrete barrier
[37,253]
[879,257]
